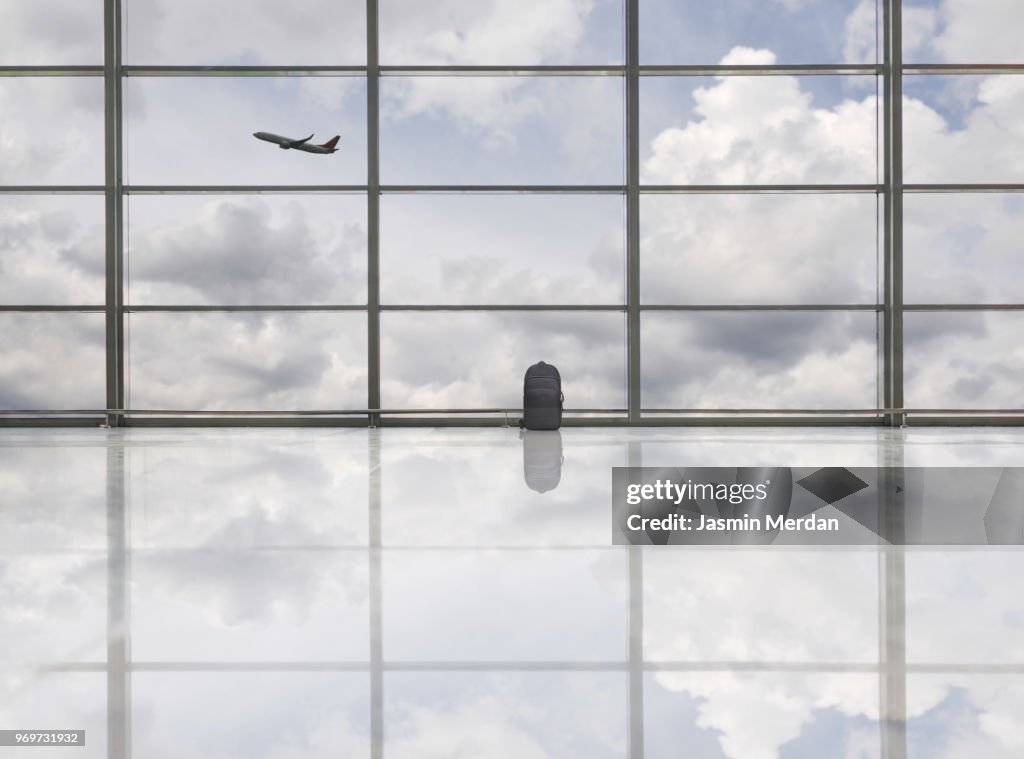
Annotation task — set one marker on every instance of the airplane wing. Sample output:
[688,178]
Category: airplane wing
[296,143]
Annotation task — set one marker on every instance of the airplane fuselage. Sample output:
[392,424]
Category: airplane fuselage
[287,143]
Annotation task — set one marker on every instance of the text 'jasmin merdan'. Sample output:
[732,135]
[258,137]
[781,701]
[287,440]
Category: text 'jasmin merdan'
[666,490]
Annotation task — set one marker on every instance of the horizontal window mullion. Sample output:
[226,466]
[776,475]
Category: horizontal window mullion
[963,307]
[52,189]
[848,69]
[963,68]
[241,309]
[651,189]
[32,308]
[963,187]
[143,70]
[51,70]
[255,189]
[764,307]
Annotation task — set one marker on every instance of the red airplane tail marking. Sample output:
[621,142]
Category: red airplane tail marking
[331,143]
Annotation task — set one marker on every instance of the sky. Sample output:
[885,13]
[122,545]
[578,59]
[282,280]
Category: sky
[308,249]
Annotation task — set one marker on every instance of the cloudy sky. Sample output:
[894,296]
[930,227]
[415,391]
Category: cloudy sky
[306,249]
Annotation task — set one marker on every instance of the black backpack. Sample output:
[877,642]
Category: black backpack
[542,397]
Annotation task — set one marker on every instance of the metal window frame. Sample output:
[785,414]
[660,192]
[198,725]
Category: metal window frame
[890,190]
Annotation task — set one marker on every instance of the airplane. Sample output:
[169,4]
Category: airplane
[286,143]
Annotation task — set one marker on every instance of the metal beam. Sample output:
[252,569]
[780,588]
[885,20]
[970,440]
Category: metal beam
[892,130]
[964,68]
[825,69]
[229,189]
[497,189]
[488,70]
[373,210]
[244,70]
[51,189]
[633,359]
[964,188]
[745,189]
[51,71]
[113,254]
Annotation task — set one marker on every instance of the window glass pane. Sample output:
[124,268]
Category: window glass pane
[51,130]
[963,248]
[182,130]
[962,31]
[963,360]
[501,130]
[505,714]
[501,32]
[477,359]
[51,32]
[553,605]
[758,130]
[963,129]
[789,31]
[51,250]
[764,360]
[247,361]
[727,715]
[247,250]
[52,361]
[245,32]
[508,249]
[961,609]
[758,249]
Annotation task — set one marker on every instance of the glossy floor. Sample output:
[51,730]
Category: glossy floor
[453,593]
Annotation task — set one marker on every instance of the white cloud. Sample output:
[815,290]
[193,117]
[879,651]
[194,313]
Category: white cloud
[514,249]
[988,148]
[247,361]
[494,107]
[979,31]
[765,130]
[247,32]
[39,235]
[52,361]
[860,33]
[919,25]
[51,130]
[963,360]
[496,32]
[41,32]
[477,360]
[247,250]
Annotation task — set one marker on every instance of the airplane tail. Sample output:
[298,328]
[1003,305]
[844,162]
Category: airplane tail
[331,142]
